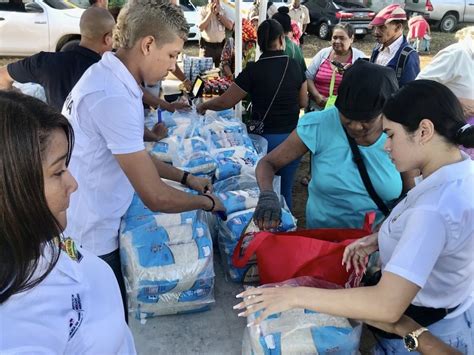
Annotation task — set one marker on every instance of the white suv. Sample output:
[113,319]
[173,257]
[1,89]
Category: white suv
[191,14]
[42,25]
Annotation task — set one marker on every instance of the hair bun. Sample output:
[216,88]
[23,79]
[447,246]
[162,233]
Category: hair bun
[283,10]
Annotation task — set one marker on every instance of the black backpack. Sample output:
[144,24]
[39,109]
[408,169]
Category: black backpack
[402,60]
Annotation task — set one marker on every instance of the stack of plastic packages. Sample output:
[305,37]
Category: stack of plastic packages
[239,195]
[194,66]
[231,146]
[167,260]
[301,331]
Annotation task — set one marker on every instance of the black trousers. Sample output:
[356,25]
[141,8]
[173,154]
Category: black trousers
[213,50]
[113,260]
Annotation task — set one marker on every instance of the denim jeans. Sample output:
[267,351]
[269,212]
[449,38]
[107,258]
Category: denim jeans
[288,172]
[457,332]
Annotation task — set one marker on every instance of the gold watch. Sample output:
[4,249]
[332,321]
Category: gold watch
[411,339]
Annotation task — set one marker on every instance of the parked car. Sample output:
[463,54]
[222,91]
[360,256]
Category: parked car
[445,14]
[191,14]
[42,25]
[324,15]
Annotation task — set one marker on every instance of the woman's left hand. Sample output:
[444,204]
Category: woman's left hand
[269,300]
[199,184]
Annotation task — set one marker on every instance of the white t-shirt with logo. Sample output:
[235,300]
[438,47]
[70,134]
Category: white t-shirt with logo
[106,111]
[76,309]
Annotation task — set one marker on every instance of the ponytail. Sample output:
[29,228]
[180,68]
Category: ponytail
[267,33]
[465,136]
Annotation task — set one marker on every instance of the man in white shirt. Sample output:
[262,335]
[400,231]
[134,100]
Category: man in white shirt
[213,23]
[393,49]
[109,160]
[300,14]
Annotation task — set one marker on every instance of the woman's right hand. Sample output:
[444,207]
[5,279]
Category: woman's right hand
[321,100]
[201,109]
[267,214]
[356,254]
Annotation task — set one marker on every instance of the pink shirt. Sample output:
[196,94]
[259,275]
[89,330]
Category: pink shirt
[322,79]
[418,27]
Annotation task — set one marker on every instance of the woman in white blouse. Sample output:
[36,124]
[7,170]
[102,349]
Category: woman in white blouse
[426,244]
[55,298]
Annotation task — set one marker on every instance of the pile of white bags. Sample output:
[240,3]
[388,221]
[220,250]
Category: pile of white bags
[167,258]
[215,145]
[167,261]
[301,331]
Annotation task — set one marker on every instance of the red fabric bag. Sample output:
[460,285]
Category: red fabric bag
[312,252]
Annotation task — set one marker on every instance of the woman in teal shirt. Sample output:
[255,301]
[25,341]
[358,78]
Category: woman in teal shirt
[337,196]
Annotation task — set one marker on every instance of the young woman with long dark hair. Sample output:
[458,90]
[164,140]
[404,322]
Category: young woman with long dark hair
[54,296]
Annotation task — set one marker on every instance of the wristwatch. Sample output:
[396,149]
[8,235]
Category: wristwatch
[411,339]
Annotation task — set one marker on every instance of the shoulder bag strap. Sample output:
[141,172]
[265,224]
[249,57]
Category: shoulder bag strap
[333,80]
[402,60]
[278,89]
[365,175]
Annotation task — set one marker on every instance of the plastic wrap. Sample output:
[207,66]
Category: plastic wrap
[225,133]
[163,150]
[138,209]
[260,144]
[192,155]
[32,89]
[301,331]
[167,260]
[235,183]
[235,161]
[235,201]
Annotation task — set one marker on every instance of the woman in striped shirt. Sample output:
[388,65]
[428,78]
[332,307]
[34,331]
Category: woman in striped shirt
[320,71]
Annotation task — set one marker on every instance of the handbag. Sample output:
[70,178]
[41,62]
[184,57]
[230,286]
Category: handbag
[332,98]
[365,175]
[313,252]
[257,126]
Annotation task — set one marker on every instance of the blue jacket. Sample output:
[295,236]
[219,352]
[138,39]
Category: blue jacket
[412,65]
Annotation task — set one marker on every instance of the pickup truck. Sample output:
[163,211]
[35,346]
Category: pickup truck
[41,25]
[446,14]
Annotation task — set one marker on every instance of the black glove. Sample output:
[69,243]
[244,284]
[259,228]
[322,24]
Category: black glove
[268,211]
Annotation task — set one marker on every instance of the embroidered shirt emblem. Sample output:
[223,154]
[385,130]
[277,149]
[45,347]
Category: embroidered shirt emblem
[76,319]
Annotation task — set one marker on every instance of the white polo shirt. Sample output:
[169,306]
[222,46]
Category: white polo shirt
[428,239]
[387,53]
[106,111]
[76,309]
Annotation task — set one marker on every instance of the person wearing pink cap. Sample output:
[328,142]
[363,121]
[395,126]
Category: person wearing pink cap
[393,49]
